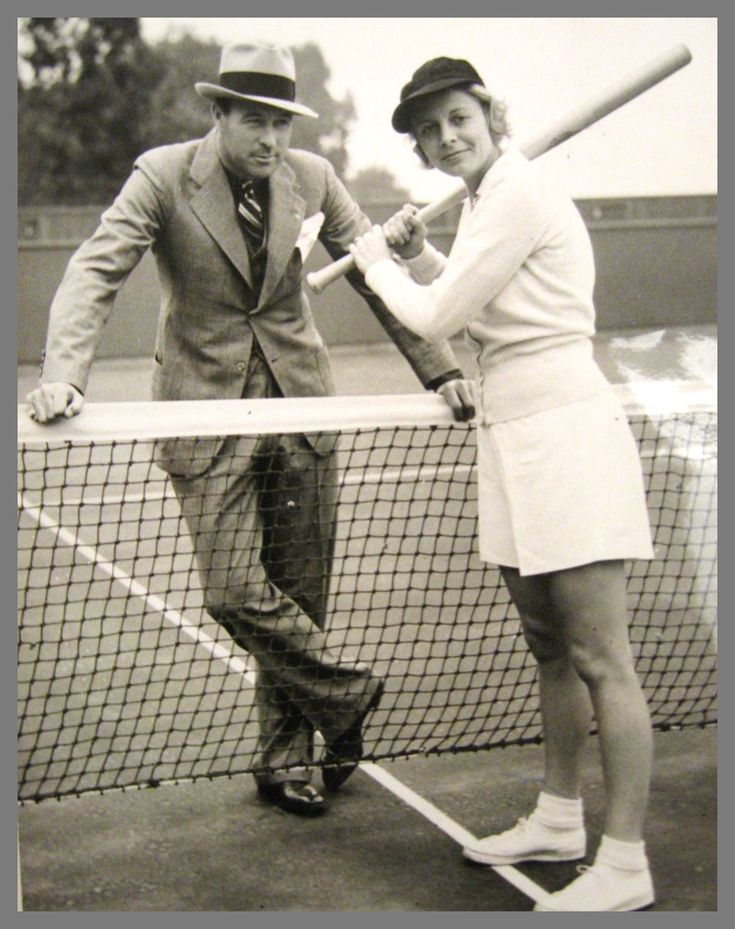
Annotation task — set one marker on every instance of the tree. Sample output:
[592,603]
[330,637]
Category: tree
[81,111]
[377,183]
[328,134]
[92,95]
[177,111]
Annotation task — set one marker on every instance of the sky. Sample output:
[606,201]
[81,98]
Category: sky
[662,143]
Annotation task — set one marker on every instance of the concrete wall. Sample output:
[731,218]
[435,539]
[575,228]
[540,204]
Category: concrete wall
[656,266]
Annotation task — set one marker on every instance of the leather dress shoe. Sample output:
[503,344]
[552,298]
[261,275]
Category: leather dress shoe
[293,797]
[342,756]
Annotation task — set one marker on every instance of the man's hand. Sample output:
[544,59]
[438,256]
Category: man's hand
[460,396]
[49,401]
[405,232]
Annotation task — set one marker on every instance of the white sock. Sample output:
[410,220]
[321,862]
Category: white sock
[625,856]
[559,812]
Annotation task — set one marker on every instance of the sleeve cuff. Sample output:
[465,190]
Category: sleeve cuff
[426,265]
[437,382]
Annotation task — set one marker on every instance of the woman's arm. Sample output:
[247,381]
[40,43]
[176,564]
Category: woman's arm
[495,239]
[427,265]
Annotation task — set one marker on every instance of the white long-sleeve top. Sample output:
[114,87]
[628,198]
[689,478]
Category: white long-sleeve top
[519,277]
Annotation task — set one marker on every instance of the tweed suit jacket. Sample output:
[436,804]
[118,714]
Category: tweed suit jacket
[178,202]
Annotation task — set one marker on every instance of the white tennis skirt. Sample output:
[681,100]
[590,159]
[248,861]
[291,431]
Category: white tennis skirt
[562,488]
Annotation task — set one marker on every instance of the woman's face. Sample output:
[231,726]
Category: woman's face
[451,127]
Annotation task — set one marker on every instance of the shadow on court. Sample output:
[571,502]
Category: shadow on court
[213,846]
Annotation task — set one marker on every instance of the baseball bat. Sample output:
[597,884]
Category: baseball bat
[591,111]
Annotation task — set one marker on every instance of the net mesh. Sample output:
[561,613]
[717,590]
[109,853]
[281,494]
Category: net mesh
[124,679]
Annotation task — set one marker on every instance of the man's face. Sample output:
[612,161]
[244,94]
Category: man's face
[253,138]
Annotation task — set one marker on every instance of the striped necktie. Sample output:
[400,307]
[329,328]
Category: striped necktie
[251,214]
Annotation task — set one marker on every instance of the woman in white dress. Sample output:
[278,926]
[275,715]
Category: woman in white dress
[561,496]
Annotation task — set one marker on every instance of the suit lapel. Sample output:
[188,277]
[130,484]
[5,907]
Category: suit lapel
[285,216]
[214,206]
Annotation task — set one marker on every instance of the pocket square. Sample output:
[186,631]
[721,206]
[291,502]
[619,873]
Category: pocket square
[309,233]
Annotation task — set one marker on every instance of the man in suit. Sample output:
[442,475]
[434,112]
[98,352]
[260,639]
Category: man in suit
[230,219]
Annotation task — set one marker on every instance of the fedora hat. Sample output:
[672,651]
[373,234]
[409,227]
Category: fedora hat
[432,76]
[259,72]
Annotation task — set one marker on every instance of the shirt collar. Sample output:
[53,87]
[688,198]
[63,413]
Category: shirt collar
[261,186]
[510,158]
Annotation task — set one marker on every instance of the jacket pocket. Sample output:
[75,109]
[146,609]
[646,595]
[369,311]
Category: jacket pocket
[187,457]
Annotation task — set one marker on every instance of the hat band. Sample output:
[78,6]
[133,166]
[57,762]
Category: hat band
[259,84]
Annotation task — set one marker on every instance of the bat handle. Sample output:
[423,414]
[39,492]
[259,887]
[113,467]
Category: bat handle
[318,280]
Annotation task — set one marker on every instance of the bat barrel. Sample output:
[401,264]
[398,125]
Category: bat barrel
[610,99]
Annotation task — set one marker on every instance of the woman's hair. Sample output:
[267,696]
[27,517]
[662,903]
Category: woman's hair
[495,110]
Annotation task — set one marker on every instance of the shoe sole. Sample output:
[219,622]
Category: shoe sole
[631,906]
[480,858]
[291,806]
[296,809]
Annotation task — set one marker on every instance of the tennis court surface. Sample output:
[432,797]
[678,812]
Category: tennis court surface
[211,846]
[391,839]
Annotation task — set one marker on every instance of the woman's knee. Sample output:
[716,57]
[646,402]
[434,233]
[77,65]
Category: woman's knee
[597,663]
[544,639]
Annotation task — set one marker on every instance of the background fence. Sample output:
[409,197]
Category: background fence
[656,266]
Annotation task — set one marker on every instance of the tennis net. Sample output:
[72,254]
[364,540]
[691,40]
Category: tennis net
[125,680]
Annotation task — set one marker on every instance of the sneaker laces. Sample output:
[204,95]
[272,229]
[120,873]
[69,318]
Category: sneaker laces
[589,874]
[524,823]
[586,886]
[520,826]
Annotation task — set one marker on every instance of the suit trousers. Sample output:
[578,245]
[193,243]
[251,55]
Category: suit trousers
[262,522]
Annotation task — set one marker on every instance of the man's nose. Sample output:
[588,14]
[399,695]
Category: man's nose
[268,136]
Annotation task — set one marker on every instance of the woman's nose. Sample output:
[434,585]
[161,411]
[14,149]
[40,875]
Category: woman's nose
[448,135]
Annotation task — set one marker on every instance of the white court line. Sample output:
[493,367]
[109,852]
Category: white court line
[237,665]
[91,554]
[450,827]
[368,476]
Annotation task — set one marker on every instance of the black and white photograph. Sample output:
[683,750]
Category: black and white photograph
[319,610]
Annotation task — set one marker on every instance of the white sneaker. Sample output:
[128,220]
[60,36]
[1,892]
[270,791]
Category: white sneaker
[529,840]
[602,889]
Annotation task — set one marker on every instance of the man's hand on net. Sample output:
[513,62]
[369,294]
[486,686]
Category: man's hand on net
[460,396]
[49,401]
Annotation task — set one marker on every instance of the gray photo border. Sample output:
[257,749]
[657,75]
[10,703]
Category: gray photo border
[182,920]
